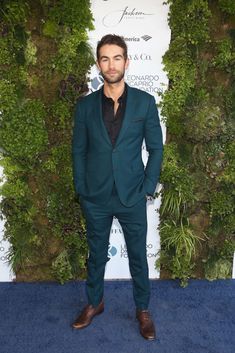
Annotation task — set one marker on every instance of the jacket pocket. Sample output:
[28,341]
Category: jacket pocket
[137,120]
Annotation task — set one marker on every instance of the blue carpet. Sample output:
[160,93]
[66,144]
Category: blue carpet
[36,318]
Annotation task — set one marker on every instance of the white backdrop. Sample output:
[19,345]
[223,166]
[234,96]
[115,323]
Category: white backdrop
[145,29]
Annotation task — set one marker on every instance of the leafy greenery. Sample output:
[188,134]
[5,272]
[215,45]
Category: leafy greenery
[62,268]
[44,59]
[198,169]
[177,184]
[179,247]
[227,6]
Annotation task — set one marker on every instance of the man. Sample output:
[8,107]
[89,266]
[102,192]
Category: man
[109,175]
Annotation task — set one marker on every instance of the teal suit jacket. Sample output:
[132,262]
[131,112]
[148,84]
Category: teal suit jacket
[97,164]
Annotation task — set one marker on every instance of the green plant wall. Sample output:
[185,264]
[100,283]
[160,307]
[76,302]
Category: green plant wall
[197,219]
[44,60]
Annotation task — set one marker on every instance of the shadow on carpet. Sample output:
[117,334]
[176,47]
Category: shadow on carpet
[36,318]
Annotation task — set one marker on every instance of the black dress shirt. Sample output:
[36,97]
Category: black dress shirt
[113,122]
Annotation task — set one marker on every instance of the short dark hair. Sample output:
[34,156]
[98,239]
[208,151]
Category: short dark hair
[112,39]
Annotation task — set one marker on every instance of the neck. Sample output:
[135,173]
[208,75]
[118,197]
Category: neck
[114,90]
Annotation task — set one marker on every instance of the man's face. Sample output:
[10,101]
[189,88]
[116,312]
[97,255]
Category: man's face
[112,63]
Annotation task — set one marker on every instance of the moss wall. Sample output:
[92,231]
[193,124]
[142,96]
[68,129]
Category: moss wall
[198,196]
[44,59]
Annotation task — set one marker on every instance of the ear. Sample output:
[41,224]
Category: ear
[127,63]
[97,64]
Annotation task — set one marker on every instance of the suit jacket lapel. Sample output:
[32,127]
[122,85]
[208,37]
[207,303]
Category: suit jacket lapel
[127,116]
[100,121]
[128,113]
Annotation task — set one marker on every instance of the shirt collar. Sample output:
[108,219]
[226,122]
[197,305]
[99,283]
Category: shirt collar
[120,99]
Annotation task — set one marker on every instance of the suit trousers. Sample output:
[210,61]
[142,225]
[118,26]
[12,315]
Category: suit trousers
[134,225]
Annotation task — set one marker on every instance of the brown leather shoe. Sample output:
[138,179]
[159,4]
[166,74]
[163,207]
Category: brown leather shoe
[87,314]
[146,324]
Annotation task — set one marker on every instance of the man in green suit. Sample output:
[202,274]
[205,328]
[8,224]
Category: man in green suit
[110,178]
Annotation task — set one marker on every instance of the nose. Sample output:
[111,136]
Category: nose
[111,64]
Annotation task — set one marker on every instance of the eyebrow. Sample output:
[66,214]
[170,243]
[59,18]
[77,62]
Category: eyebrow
[115,56]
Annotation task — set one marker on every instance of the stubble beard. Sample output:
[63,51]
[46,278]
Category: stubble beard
[111,80]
